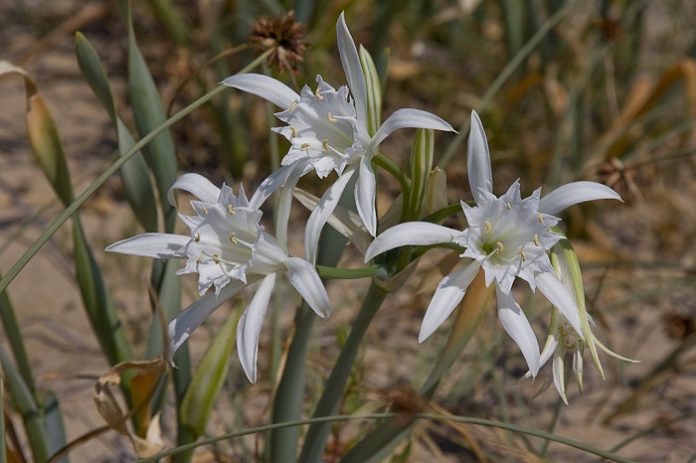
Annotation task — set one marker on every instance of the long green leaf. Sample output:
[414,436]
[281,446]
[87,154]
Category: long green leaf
[134,174]
[52,421]
[149,114]
[14,338]
[26,406]
[209,377]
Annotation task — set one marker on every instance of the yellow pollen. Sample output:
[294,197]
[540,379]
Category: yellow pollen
[487,227]
[216,258]
[331,118]
[293,132]
[325,145]
[508,206]
[536,240]
[230,210]
[197,237]
[523,256]
[499,247]
[233,238]
[540,218]
[318,95]
[304,146]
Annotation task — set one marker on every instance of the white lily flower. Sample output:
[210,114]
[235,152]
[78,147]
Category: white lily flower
[228,248]
[561,340]
[508,237]
[328,131]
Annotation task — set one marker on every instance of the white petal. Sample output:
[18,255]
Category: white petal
[249,327]
[266,87]
[552,288]
[410,118]
[448,295]
[278,179]
[410,234]
[322,212]
[343,220]
[304,277]
[515,322]
[282,215]
[365,195]
[559,376]
[181,327]
[574,193]
[478,161]
[155,245]
[352,68]
[197,185]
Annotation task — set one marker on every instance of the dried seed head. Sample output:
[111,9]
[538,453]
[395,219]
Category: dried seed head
[285,36]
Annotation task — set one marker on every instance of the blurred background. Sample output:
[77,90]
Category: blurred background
[588,90]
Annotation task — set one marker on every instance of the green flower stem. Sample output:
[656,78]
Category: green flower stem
[386,164]
[443,213]
[504,75]
[14,338]
[349,273]
[99,181]
[381,416]
[377,445]
[335,385]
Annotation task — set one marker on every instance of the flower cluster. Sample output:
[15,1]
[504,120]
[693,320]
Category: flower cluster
[335,131]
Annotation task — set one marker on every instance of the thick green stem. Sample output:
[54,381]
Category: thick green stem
[348,273]
[99,181]
[335,385]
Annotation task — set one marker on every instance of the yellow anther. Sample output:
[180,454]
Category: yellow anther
[233,238]
[325,144]
[499,247]
[536,240]
[318,94]
[197,237]
[293,131]
[304,146]
[230,210]
[522,255]
[331,118]
[540,217]
[508,206]
[216,258]
[487,227]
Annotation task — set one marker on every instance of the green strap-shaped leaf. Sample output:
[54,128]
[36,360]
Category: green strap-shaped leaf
[422,154]
[149,114]
[52,421]
[23,401]
[134,174]
[14,338]
[374,91]
[209,377]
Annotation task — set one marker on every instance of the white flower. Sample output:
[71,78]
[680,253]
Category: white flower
[328,131]
[229,250]
[562,340]
[508,237]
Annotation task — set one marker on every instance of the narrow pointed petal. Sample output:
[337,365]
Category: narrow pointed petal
[155,245]
[181,327]
[410,234]
[352,67]
[197,185]
[284,205]
[559,377]
[322,212]
[304,277]
[278,179]
[410,118]
[478,161]
[365,192]
[249,327]
[552,288]
[515,323]
[448,295]
[575,193]
[343,220]
[265,87]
